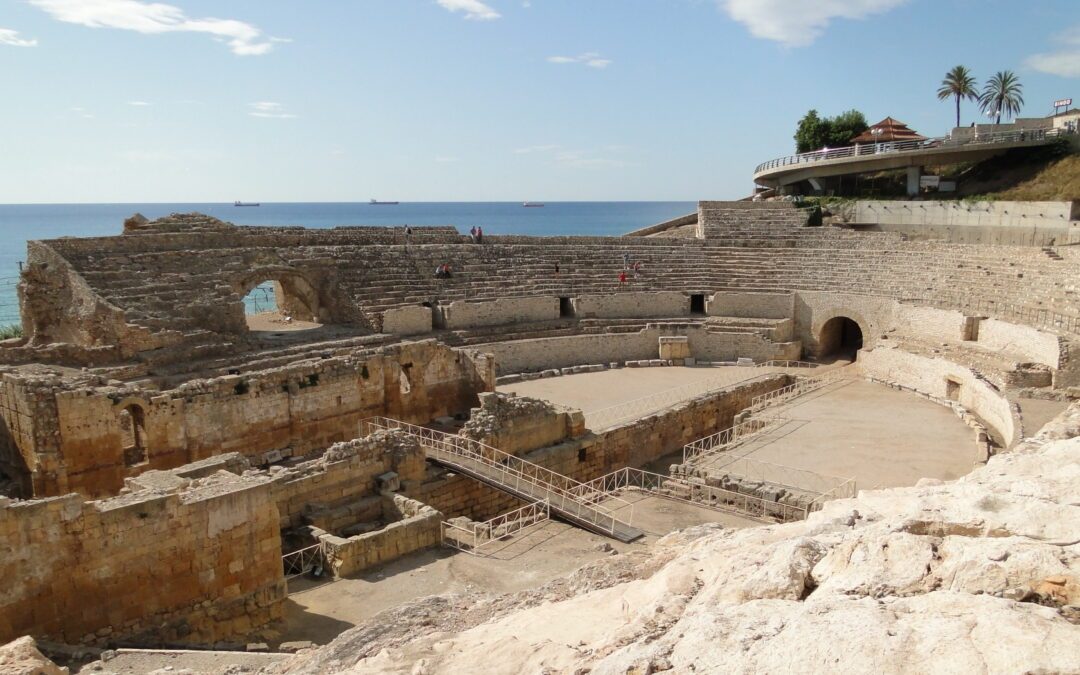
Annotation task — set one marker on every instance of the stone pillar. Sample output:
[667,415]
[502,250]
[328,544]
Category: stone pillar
[913,175]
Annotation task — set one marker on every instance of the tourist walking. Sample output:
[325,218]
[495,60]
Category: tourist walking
[479,235]
[622,278]
[626,261]
[472,234]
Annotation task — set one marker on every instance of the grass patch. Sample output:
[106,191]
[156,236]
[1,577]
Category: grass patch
[9,332]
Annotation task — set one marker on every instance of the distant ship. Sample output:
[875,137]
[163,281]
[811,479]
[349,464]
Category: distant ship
[239,203]
[376,202]
[532,205]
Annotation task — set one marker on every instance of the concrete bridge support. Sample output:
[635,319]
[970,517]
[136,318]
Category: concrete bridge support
[914,173]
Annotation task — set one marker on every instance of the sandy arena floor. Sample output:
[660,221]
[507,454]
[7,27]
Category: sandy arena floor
[319,611]
[596,393]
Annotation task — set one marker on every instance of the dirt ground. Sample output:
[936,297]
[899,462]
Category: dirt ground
[319,611]
[870,432]
[596,393]
[276,322]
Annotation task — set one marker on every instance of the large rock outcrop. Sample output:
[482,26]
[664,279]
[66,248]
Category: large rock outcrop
[981,575]
[21,657]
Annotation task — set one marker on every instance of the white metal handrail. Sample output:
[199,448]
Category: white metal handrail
[302,561]
[798,388]
[695,492]
[889,147]
[562,492]
[728,438]
[473,539]
[788,364]
[779,475]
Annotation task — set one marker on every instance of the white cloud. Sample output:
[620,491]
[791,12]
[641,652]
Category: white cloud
[797,23]
[139,104]
[11,37]
[269,109]
[152,18]
[1066,61]
[473,9]
[590,59]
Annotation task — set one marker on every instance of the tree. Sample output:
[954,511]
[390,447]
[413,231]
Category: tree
[816,132]
[844,127]
[1002,94]
[812,132]
[959,83]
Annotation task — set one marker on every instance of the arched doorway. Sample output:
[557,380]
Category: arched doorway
[281,302]
[840,337]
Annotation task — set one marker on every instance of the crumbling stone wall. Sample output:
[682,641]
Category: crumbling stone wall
[74,440]
[416,526]
[195,566]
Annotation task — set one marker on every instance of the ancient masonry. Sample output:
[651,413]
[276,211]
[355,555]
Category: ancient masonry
[162,462]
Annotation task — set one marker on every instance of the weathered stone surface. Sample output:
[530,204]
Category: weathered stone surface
[978,575]
[21,657]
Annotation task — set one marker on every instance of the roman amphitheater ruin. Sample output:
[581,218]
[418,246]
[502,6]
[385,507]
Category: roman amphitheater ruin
[800,404]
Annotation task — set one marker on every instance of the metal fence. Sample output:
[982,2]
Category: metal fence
[298,563]
[892,147]
[562,492]
[475,538]
[729,438]
[798,388]
[786,477]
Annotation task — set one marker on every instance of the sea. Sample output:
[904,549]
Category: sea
[20,223]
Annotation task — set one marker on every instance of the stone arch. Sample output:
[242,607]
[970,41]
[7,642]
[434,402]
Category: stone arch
[840,335]
[131,417]
[295,294]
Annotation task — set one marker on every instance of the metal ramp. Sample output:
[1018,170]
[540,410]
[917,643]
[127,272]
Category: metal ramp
[569,500]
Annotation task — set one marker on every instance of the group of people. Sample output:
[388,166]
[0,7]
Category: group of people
[636,267]
[443,271]
[477,235]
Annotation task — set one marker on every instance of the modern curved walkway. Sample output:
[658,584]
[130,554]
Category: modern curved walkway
[885,156]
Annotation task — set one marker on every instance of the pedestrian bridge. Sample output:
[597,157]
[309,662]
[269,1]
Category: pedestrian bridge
[912,155]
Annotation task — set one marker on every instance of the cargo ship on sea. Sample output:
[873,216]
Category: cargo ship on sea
[376,202]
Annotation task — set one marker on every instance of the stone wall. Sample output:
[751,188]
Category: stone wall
[752,305]
[197,566]
[413,320]
[264,415]
[931,376]
[538,354]
[632,305]
[462,314]
[346,473]
[998,223]
[416,527]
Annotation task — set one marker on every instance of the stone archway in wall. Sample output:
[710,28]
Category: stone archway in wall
[280,300]
[840,337]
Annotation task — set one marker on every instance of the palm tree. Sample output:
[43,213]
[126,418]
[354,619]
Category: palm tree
[1002,95]
[960,84]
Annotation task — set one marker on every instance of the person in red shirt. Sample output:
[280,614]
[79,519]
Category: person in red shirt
[622,278]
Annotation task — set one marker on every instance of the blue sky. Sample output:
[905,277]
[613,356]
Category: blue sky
[192,100]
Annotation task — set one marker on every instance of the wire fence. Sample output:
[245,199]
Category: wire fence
[261,299]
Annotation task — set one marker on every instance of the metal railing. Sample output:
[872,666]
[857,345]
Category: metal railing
[605,418]
[301,562]
[788,364]
[562,492]
[781,476]
[798,388]
[727,439]
[890,147]
[473,539]
[1032,316]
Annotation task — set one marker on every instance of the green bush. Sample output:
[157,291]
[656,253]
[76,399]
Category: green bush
[12,331]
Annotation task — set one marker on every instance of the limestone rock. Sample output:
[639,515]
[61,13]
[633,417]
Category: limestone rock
[979,575]
[21,657]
